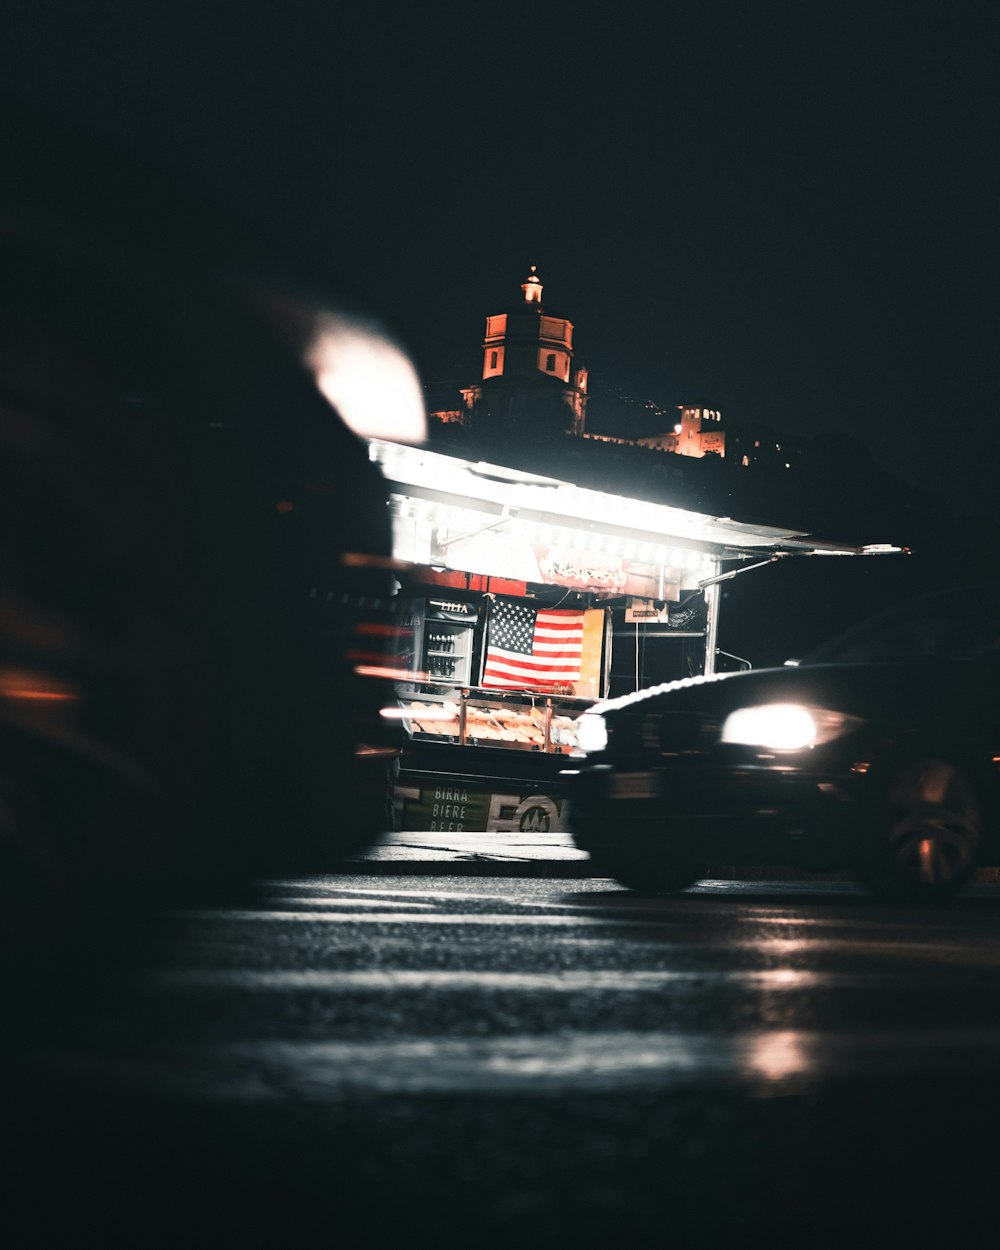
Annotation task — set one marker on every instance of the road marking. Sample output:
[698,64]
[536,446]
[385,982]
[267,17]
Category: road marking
[945,952]
[328,902]
[440,896]
[444,918]
[572,982]
[762,1061]
[459,895]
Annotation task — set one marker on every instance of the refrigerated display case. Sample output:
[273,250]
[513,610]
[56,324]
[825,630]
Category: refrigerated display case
[448,636]
[439,641]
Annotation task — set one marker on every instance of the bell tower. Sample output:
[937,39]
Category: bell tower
[529,367]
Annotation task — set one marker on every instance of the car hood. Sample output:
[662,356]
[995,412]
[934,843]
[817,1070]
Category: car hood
[859,689]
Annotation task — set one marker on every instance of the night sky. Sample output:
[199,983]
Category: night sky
[785,211]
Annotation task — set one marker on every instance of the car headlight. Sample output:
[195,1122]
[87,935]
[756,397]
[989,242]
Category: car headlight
[591,733]
[786,726]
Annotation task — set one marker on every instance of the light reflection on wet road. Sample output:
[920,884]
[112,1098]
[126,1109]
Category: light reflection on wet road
[564,1059]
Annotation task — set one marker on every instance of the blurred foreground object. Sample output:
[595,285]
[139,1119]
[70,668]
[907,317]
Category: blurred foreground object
[193,572]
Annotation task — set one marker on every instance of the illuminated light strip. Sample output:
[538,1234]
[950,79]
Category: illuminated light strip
[409,470]
[431,469]
[379,630]
[363,559]
[408,713]
[57,696]
[366,657]
[393,674]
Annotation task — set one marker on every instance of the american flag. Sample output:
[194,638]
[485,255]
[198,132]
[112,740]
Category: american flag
[530,648]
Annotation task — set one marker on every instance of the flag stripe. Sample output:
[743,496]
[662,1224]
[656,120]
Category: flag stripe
[537,661]
[565,667]
[529,649]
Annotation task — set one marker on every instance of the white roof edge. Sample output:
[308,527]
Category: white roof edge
[427,469]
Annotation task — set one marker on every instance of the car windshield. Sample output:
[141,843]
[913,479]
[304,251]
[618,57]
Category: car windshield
[955,624]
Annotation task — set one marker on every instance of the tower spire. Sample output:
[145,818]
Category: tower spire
[532,287]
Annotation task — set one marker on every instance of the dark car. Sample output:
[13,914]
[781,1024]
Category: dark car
[879,753]
[194,577]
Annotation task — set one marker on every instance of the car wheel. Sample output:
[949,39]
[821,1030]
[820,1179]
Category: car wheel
[927,832]
[614,853]
[649,872]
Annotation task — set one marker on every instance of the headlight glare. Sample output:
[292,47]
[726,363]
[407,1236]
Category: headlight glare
[786,726]
[591,733]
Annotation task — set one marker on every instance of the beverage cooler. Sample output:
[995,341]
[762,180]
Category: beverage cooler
[443,638]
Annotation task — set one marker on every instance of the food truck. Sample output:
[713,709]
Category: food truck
[523,599]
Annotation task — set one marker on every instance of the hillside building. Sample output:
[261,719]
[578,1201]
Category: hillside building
[530,378]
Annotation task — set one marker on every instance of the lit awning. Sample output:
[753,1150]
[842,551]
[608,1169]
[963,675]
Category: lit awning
[508,498]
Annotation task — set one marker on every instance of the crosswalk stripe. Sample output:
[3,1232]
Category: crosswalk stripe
[326,903]
[762,1060]
[526,982]
[441,918]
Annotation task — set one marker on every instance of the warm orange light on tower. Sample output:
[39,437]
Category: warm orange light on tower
[532,288]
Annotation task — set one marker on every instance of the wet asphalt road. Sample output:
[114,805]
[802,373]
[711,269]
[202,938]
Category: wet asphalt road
[373,1061]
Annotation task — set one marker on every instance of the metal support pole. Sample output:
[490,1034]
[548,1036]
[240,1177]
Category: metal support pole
[712,597]
[609,642]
